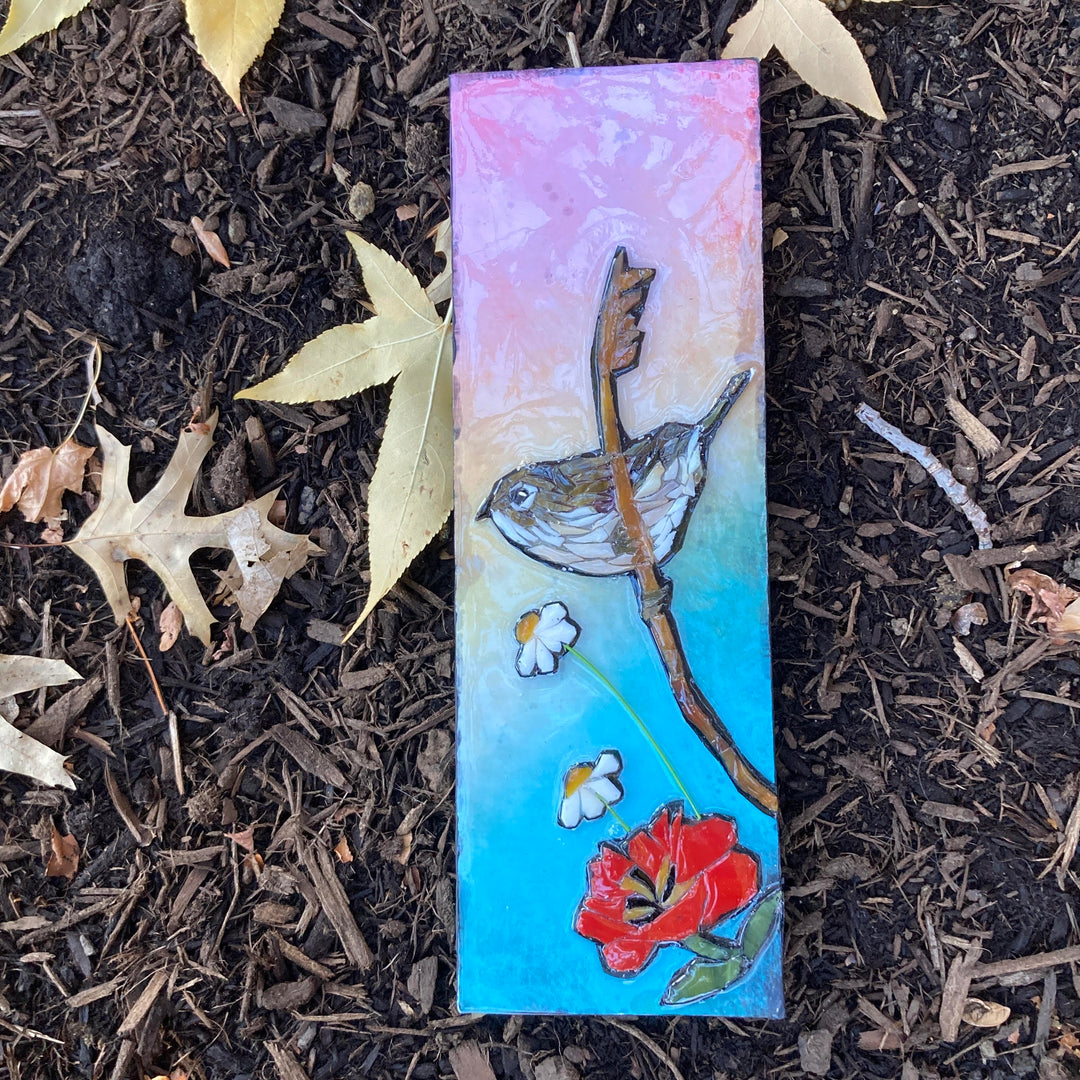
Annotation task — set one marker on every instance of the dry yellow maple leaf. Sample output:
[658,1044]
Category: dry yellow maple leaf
[158,532]
[19,753]
[41,477]
[816,45]
[230,34]
[412,491]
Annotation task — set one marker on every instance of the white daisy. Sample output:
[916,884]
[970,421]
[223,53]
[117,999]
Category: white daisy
[589,788]
[544,636]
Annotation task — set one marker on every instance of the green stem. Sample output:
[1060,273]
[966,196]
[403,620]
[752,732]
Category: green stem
[641,725]
[614,813]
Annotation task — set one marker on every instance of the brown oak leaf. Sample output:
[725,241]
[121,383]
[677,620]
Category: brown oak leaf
[39,480]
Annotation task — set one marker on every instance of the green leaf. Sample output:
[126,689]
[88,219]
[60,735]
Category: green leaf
[710,947]
[701,979]
[761,923]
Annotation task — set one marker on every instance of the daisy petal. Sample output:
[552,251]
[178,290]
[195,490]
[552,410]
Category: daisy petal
[570,811]
[592,806]
[604,788]
[526,660]
[551,615]
[545,660]
[609,763]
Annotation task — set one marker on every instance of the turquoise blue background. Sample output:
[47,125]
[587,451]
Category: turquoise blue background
[521,876]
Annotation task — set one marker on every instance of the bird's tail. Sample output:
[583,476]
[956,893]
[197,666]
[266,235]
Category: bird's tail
[712,420]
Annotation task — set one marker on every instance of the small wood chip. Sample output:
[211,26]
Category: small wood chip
[94,993]
[327,29]
[469,1062]
[950,812]
[308,755]
[285,1062]
[144,1003]
[366,677]
[1037,165]
[336,905]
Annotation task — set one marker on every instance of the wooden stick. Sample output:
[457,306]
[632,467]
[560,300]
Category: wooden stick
[941,475]
[616,348]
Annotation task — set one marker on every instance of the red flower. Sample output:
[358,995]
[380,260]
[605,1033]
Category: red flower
[664,883]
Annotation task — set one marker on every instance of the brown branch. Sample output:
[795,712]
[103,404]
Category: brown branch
[616,347]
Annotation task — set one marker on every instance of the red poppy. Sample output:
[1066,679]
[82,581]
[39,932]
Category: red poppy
[664,883]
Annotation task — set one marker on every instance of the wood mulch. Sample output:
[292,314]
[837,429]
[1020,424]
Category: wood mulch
[929,266]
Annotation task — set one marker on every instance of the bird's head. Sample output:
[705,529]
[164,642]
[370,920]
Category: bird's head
[522,501]
[513,494]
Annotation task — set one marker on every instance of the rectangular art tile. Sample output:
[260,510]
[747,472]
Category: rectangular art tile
[617,843]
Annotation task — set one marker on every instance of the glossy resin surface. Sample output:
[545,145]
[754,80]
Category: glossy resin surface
[616,800]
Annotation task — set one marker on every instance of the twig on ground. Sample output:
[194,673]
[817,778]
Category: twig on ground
[934,466]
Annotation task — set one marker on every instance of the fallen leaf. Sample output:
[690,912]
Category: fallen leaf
[816,45]
[41,477]
[169,625]
[441,286]
[231,35]
[341,850]
[157,531]
[245,838]
[211,241]
[265,557]
[967,616]
[64,859]
[18,752]
[968,661]
[28,19]
[1056,606]
[985,1014]
[411,492]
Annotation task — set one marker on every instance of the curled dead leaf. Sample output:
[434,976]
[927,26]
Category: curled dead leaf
[245,838]
[341,850]
[816,45]
[1056,606]
[964,618]
[64,858]
[40,478]
[211,242]
[985,1014]
[169,624]
[158,531]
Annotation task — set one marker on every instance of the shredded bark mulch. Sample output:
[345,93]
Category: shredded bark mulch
[291,914]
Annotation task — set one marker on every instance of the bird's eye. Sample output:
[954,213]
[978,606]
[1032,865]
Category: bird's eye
[522,495]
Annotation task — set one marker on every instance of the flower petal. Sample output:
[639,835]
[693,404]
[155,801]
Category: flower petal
[729,886]
[609,763]
[592,806]
[551,615]
[526,659]
[700,844]
[565,633]
[627,955]
[606,789]
[570,811]
[545,659]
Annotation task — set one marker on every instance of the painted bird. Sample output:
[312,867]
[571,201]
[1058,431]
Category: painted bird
[563,513]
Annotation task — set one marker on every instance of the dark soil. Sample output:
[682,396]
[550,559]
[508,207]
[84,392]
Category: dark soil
[906,263]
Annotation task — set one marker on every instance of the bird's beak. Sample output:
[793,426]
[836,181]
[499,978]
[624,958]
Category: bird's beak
[485,510]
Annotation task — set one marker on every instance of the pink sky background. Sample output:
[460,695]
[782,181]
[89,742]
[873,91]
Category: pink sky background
[541,199]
